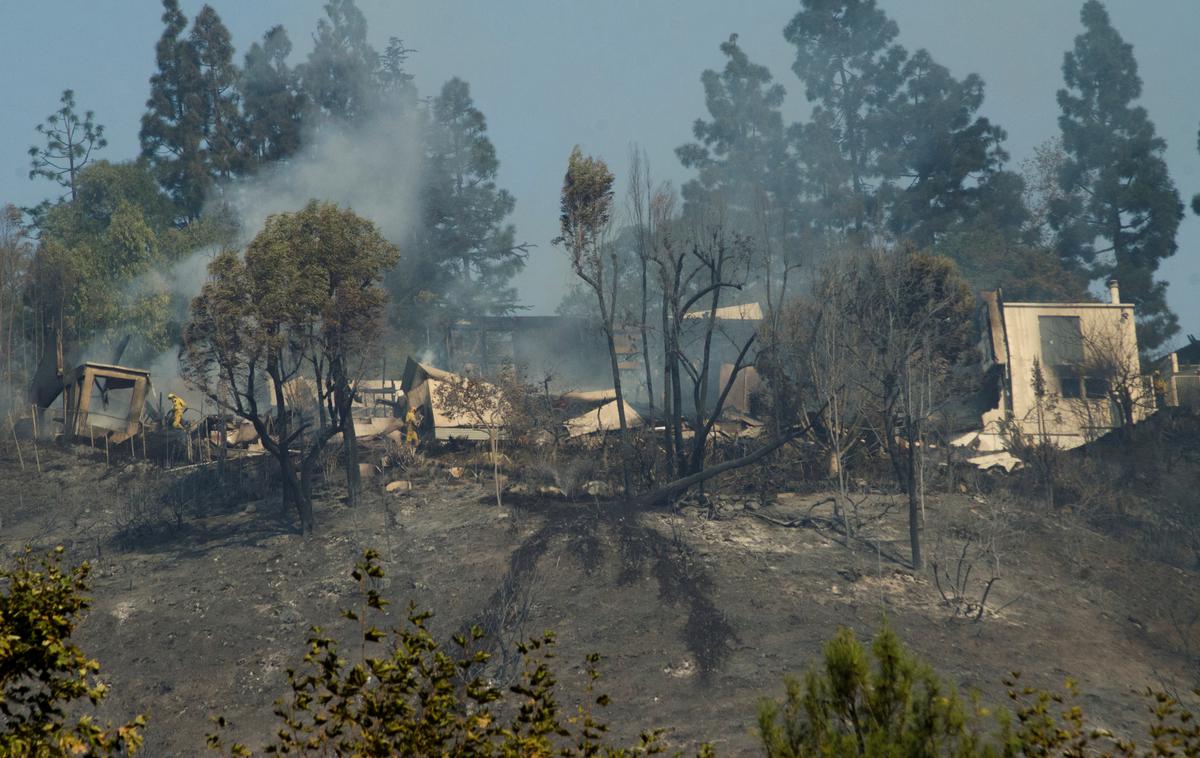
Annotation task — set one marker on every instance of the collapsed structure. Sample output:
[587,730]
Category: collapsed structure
[1054,372]
[1179,375]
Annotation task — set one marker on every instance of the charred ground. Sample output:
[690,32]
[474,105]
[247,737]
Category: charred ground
[204,592]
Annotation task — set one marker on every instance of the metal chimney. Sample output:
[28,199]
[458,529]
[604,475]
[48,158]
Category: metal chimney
[1114,292]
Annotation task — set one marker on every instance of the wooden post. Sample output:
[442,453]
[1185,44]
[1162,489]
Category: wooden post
[36,456]
[145,455]
[13,427]
[106,460]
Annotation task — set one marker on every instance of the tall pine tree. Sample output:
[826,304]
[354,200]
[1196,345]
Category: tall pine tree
[466,250]
[896,142]
[741,155]
[945,163]
[851,67]
[172,133]
[218,79]
[189,131]
[1120,208]
[272,103]
[339,78]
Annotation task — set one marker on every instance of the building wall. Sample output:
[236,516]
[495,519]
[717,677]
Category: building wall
[1108,327]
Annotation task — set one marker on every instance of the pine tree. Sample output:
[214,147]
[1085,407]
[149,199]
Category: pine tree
[947,162]
[1120,209]
[741,155]
[742,151]
[852,70]
[339,77]
[172,133]
[466,248]
[70,142]
[190,130]
[218,78]
[272,103]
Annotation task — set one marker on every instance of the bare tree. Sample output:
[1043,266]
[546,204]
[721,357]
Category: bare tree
[641,200]
[70,142]
[486,405]
[1112,371]
[910,317]
[698,261]
[811,359]
[586,227]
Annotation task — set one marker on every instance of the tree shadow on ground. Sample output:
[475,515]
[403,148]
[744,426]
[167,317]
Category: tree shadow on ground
[594,534]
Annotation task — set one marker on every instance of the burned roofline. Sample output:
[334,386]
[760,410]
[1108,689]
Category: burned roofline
[1007,304]
[519,322]
[107,367]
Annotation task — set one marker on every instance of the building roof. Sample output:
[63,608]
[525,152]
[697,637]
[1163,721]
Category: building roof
[743,312]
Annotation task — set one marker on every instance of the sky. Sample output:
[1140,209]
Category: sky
[550,74]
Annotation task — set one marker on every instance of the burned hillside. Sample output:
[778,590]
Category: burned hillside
[338,416]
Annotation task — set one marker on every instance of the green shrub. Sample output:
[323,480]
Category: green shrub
[42,673]
[409,695]
[887,704]
[850,707]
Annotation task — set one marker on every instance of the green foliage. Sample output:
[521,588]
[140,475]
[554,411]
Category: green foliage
[306,296]
[1120,209]
[887,703]
[43,674]
[100,269]
[884,704]
[408,694]
[272,103]
[189,131]
[70,142]
[464,251]
[586,209]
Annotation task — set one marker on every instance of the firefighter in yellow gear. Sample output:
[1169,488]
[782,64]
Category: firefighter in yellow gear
[178,406]
[410,424]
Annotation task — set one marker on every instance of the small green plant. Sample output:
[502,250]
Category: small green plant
[43,674]
[895,706]
[410,695]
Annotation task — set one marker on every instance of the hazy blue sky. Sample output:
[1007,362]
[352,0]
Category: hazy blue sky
[552,73]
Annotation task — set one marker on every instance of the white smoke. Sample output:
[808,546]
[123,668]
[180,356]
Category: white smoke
[374,169]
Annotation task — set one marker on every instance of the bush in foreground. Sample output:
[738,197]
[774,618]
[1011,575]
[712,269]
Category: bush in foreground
[44,676]
[887,703]
[409,695]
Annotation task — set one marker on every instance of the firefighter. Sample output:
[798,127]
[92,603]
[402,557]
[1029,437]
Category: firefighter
[178,406]
[411,421]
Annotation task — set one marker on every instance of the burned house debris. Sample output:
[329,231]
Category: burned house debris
[1056,373]
[1177,377]
[101,399]
[421,386]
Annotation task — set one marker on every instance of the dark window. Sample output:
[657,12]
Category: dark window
[1069,384]
[1095,387]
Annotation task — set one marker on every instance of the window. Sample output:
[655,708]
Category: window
[1068,381]
[1062,353]
[1062,340]
[1095,387]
